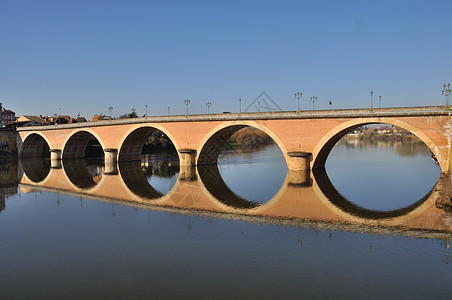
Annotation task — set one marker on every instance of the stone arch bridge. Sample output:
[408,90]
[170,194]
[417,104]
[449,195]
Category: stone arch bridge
[305,138]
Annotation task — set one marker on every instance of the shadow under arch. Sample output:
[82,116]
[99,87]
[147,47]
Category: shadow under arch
[214,183]
[136,181]
[36,169]
[79,175]
[77,144]
[35,145]
[323,148]
[211,146]
[328,189]
[132,146]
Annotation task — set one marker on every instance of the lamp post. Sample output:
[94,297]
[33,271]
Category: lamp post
[110,109]
[208,104]
[169,110]
[446,93]
[240,106]
[298,96]
[187,102]
[258,106]
[331,104]
[379,101]
[146,110]
[371,103]
[313,100]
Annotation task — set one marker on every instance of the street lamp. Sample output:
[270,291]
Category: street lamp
[169,110]
[208,104]
[187,102]
[240,106]
[379,101]
[371,103]
[446,93]
[146,110]
[110,109]
[258,106]
[313,100]
[298,96]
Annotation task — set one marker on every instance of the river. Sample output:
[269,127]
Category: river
[365,227]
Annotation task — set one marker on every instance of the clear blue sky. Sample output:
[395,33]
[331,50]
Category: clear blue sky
[84,56]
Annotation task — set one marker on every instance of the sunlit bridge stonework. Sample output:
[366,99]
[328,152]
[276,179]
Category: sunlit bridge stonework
[305,139]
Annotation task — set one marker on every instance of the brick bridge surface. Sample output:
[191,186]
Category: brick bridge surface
[305,139]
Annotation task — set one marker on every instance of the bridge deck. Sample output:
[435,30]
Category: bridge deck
[275,115]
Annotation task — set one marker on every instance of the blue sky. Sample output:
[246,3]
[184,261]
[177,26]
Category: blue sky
[85,56]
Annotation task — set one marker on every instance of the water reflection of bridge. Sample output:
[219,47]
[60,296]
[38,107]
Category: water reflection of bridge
[201,190]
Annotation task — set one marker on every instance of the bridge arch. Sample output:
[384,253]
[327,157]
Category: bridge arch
[210,147]
[326,144]
[132,143]
[75,144]
[35,145]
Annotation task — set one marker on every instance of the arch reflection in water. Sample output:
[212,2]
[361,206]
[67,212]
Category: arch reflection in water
[36,169]
[347,206]
[317,202]
[83,173]
[382,175]
[152,177]
[244,178]
[214,183]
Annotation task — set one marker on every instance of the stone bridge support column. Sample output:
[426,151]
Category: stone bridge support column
[299,170]
[187,157]
[55,158]
[187,173]
[111,158]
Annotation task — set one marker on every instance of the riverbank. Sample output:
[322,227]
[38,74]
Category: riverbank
[445,192]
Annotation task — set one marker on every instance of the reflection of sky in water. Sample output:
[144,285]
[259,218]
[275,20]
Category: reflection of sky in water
[162,184]
[381,178]
[255,176]
[113,251]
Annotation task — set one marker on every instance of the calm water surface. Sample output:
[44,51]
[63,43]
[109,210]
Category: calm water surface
[66,245]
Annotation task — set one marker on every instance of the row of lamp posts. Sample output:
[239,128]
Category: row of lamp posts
[446,92]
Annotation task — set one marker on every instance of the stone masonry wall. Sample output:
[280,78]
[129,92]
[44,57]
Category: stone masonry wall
[8,143]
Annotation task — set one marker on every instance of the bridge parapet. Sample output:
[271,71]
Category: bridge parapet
[275,115]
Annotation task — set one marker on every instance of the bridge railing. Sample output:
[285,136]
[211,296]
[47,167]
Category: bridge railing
[304,114]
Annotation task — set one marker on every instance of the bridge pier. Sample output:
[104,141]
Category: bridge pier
[110,159]
[299,178]
[187,173]
[299,161]
[111,168]
[187,157]
[55,158]
[111,155]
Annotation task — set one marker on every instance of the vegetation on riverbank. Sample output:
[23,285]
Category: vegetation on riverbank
[248,138]
[384,133]
[245,138]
